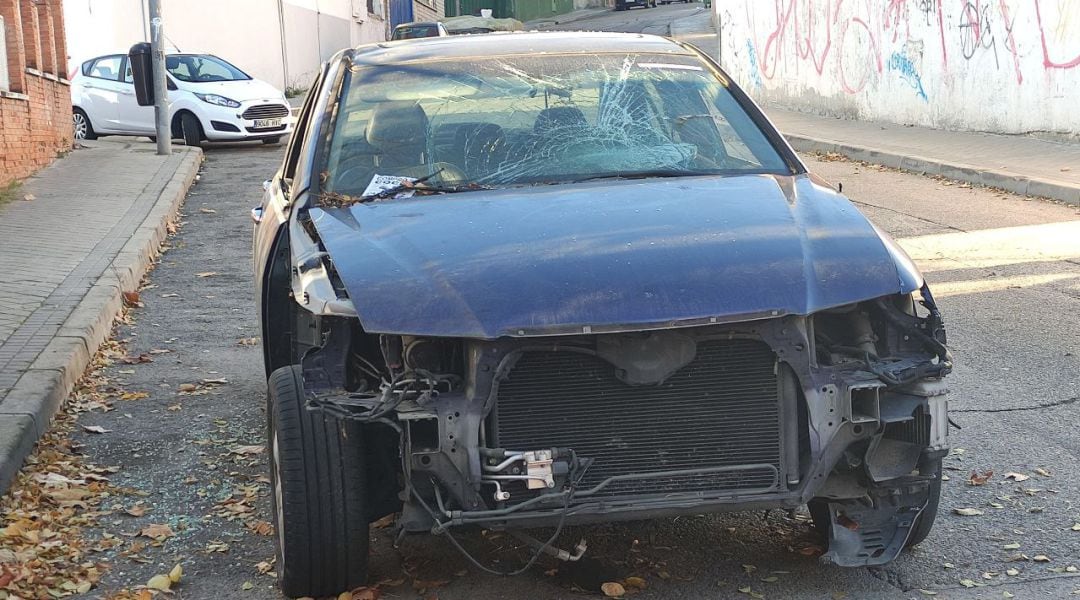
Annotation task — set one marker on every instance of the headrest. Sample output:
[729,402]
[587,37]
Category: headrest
[558,117]
[397,123]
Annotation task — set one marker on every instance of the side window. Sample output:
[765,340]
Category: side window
[296,142]
[128,78]
[106,67]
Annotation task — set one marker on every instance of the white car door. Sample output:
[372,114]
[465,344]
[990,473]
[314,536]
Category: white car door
[102,85]
[132,117]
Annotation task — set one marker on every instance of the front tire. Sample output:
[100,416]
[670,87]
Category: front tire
[318,478]
[83,129]
[190,129]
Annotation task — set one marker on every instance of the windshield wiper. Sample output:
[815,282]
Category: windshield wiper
[645,174]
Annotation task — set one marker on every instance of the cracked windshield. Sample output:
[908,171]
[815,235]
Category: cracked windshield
[520,120]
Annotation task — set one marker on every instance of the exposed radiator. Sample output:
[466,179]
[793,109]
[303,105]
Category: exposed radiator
[721,410]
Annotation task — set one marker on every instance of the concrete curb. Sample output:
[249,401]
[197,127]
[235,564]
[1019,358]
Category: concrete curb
[1019,184]
[40,392]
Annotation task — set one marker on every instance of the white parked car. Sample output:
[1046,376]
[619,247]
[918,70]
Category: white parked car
[209,99]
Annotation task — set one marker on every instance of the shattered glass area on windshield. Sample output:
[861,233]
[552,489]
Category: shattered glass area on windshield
[522,120]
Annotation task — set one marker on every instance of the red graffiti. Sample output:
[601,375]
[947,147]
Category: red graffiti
[1047,62]
[1011,41]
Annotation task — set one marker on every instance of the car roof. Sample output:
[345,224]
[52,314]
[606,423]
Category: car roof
[512,43]
[418,24]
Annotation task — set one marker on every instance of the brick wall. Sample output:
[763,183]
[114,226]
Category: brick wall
[35,113]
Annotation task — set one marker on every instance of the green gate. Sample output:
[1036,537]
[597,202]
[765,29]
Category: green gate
[522,10]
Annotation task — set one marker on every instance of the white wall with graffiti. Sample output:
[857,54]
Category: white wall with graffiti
[1009,66]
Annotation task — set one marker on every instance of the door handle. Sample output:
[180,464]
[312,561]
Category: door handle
[257,214]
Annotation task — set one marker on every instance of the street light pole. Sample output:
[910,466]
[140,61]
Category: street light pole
[161,100]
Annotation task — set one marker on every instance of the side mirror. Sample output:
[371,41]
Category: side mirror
[142,73]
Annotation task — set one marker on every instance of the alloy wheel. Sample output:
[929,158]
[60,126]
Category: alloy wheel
[79,122]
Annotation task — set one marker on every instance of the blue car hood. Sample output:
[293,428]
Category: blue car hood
[607,256]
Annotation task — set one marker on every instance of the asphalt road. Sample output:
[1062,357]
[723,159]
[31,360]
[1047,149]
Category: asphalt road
[1007,273]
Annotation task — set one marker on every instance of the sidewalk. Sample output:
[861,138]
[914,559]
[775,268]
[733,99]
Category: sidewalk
[1019,164]
[75,236]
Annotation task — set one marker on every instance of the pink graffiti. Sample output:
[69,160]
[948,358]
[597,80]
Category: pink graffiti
[803,34]
[1047,63]
[1011,40]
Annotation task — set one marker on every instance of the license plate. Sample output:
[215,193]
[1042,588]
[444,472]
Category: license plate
[266,123]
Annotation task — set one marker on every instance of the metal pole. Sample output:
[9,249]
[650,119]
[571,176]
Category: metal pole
[161,100]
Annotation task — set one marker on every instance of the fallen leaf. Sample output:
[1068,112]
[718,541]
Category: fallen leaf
[29,197]
[635,582]
[1076,527]
[1040,558]
[206,274]
[1012,546]
[1042,471]
[613,589]
[170,295]
[157,532]
[188,387]
[770,579]
[968,583]
[384,522]
[749,569]
[1012,572]
[95,429]
[247,586]
[927,592]
[263,567]
[967,512]
[208,211]
[159,582]
[979,479]
[131,299]
[1007,594]
[251,341]
[248,450]
[1016,476]
[137,511]
[134,395]
[749,592]
[176,573]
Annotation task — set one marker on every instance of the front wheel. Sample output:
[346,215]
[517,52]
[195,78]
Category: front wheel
[190,129]
[318,479]
[83,129]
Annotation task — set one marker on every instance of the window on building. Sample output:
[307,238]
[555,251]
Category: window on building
[5,81]
[375,7]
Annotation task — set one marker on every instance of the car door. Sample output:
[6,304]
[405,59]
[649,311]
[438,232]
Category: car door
[130,116]
[102,92]
[270,244]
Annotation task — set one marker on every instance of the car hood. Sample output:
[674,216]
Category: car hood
[241,91]
[607,256]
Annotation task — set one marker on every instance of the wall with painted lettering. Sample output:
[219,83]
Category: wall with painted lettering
[1009,66]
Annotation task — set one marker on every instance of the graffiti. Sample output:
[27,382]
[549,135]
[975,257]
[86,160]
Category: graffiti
[755,72]
[1049,63]
[903,65]
[927,8]
[976,31]
[854,56]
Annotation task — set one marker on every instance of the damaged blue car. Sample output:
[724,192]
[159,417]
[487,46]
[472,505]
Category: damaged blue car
[540,279]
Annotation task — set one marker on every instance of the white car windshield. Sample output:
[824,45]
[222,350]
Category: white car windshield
[197,68]
[514,120]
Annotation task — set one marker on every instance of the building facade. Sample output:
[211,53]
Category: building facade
[280,41]
[35,101]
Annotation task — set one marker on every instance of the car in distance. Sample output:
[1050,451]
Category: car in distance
[627,4]
[535,279]
[209,99]
[419,29]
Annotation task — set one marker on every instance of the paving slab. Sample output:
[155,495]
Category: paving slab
[90,231]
